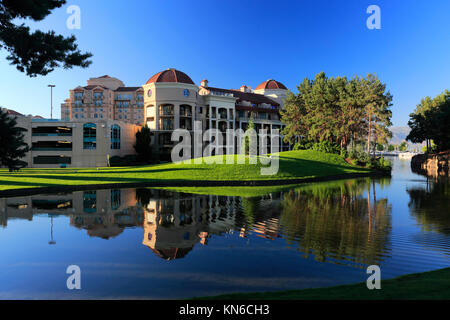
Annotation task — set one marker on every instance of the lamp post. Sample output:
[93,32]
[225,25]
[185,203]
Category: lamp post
[51,100]
[51,232]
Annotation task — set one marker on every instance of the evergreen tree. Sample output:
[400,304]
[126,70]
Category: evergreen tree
[338,111]
[377,114]
[248,139]
[37,52]
[12,145]
[430,120]
[143,145]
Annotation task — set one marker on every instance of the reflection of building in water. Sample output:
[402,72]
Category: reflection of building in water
[104,213]
[261,216]
[338,222]
[26,207]
[268,229]
[175,222]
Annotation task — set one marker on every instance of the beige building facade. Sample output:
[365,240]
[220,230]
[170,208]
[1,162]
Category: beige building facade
[59,143]
[100,120]
[172,100]
[104,98]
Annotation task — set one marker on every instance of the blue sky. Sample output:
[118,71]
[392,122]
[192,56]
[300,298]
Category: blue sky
[232,43]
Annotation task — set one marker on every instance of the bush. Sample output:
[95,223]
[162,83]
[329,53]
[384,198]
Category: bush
[327,147]
[125,161]
[379,164]
[359,157]
[432,149]
[116,161]
[303,145]
[363,157]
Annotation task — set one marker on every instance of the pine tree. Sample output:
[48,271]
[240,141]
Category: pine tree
[37,52]
[12,145]
[248,139]
[143,145]
[429,122]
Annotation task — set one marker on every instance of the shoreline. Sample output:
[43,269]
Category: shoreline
[414,286]
[183,183]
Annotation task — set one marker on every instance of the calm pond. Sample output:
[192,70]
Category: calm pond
[149,243]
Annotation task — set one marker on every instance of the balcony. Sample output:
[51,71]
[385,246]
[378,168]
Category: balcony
[221,94]
[166,110]
[186,114]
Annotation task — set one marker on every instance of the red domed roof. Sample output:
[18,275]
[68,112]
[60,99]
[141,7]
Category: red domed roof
[171,75]
[271,84]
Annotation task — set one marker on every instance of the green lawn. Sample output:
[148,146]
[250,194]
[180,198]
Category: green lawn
[293,165]
[434,285]
[256,191]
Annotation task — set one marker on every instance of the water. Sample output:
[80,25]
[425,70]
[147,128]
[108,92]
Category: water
[149,243]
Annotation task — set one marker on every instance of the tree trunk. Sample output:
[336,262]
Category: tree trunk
[370,131]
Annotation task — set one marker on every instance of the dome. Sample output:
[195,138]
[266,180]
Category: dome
[271,84]
[171,75]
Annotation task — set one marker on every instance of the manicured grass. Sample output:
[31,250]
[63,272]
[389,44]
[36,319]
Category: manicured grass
[433,285]
[292,165]
[256,191]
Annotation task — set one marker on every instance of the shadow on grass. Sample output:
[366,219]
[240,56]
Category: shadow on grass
[290,168]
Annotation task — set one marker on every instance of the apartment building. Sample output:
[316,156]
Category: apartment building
[172,100]
[105,98]
[101,119]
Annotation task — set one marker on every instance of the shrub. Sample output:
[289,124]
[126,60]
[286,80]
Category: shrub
[116,161]
[127,160]
[379,164]
[327,147]
[303,145]
[363,157]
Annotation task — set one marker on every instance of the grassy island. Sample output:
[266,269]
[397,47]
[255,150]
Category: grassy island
[294,167]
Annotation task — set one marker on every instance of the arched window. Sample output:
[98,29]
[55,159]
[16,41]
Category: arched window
[89,136]
[115,137]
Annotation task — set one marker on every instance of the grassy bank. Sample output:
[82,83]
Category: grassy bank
[433,285]
[292,165]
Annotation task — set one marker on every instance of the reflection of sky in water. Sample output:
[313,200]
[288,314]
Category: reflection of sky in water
[123,266]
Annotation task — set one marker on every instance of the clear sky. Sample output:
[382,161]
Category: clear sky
[232,43]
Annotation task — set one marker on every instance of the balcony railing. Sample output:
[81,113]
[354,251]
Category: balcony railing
[223,94]
[186,114]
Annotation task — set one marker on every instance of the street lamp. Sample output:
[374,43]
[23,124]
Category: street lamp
[51,100]
[51,232]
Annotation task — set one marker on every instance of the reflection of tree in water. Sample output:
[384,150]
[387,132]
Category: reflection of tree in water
[337,221]
[250,208]
[430,206]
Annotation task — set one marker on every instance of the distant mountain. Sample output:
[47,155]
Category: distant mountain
[399,135]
